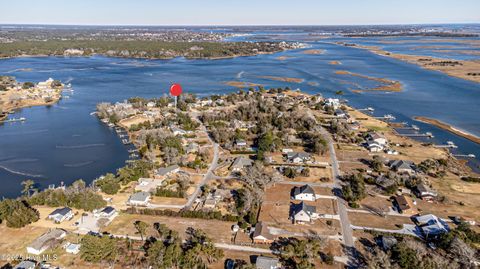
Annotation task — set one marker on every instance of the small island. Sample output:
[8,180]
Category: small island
[15,95]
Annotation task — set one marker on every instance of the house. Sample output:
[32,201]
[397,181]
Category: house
[386,242]
[240,143]
[61,214]
[72,248]
[210,202]
[240,163]
[25,265]
[384,182]
[373,146]
[148,184]
[139,199]
[403,167]
[191,148]
[166,171]
[404,204]
[376,137]
[106,212]
[340,113]
[298,157]
[430,225]
[177,131]
[262,235]
[424,193]
[263,262]
[304,193]
[332,102]
[303,212]
[46,241]
[286,150]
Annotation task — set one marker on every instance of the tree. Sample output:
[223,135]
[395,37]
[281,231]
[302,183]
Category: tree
[17,214]
[98,249]
[27,85]
[298,253]
[141,228]
[27,186]
[108,184]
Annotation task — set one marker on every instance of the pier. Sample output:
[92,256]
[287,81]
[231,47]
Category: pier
[449,144]
[387,117]
[464,155]
[427,134]
[369,109]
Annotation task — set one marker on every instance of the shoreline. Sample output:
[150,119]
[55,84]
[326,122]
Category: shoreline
[451,67]
[449,128]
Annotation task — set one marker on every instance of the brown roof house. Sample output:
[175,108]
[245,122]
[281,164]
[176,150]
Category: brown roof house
[404,204]
[262,235]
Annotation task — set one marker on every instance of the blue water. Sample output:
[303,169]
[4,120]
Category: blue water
[64,142]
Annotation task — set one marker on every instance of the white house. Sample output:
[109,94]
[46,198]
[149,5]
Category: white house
[378,138]
[139,199]
[333,102]
[304,193]
[106,212]
[46,241]
[298,157]
[267,263]
[431,225]
[148,184]
[302,213]
[240,143]
[61,214]
[373,146]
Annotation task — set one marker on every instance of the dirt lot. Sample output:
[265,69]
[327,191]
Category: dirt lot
[375,221]
[219,231]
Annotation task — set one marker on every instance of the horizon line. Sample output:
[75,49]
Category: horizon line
[240,25]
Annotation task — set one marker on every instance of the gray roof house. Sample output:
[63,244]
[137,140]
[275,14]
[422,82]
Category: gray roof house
[304,192]
[298,157]
[139,198]
[303,212]
[384,182]
[402,166]
[240,163]
[431,225]
[165,171]
[267,263]
[46,241]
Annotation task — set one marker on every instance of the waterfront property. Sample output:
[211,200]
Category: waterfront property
[139,199]
[61,214]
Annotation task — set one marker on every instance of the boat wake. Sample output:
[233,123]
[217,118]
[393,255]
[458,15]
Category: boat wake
[240,74]
[25,133]
[19,160]
[80,146]
[78,164]
[20,173]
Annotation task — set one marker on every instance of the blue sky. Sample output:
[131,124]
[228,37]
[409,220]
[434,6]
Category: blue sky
[233,12]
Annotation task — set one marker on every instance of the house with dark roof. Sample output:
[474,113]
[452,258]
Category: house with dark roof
[385,182]
[302,213]
[423,192]
[262,235]
[404,204]
[304,193]
[61,214]
[106,212]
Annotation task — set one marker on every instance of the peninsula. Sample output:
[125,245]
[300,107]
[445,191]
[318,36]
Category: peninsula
[14,95]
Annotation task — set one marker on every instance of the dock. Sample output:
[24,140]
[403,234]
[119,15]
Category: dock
[22,119]
[449,144]
[427,134]
[464,155]
[387,117]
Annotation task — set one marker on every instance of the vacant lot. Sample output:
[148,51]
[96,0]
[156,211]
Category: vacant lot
[219,231]
[375,221]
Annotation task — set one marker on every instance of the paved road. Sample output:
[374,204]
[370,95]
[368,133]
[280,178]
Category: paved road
[341,203]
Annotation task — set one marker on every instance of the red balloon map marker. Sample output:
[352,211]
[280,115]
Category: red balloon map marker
[175,89]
